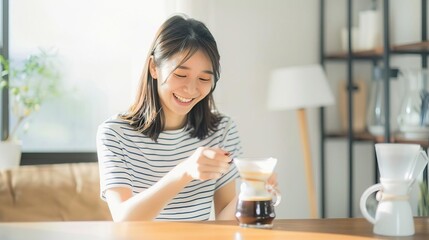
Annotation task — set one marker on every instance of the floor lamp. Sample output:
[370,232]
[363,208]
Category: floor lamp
[299,88]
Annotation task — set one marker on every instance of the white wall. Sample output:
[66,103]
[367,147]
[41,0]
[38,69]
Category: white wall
[254,38]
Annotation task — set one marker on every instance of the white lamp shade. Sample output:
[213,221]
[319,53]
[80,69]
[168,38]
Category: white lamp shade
[299,87]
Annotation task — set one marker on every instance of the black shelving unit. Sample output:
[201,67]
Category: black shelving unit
[419,48]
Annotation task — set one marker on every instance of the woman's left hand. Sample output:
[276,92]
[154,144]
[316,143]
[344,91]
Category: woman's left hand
[272,180]
[272,185]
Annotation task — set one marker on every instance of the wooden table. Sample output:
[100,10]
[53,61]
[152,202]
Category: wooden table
[355,228]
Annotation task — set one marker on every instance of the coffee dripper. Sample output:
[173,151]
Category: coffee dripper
[257,199]
[399,165]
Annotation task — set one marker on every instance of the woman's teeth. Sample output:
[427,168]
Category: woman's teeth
[182,99]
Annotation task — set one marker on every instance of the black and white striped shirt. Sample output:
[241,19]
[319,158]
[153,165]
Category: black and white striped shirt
[127,158]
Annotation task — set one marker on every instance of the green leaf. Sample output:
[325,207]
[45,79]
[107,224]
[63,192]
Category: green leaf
[3,84]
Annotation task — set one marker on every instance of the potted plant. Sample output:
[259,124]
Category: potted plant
[423,205]
[31,82]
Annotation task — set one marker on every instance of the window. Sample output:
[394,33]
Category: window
[101,46]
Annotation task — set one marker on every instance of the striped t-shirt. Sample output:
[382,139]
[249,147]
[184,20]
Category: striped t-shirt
[127,158]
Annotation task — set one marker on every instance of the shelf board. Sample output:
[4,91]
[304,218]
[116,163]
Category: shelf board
[377,53]
[358,55]
[366,136]
[357,136]
[412,48]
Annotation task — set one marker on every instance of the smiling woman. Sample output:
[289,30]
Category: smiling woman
[166,158]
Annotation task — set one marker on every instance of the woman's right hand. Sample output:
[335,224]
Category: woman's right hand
[206,163]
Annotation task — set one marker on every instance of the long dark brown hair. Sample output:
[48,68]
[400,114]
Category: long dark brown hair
[176,35]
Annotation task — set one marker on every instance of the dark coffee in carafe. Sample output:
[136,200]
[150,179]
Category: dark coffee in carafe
[255,212]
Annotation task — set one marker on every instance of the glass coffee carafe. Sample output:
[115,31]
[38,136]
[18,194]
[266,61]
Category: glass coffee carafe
[375,116]
[257,199]
[413,118]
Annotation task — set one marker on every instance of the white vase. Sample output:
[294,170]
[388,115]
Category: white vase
[10,154]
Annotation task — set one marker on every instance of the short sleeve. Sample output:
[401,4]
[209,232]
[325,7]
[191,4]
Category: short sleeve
[112,165]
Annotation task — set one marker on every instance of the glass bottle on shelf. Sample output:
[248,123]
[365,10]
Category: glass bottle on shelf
[375,120]
[413,118]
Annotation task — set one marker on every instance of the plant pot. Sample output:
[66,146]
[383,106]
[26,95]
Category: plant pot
[10,154]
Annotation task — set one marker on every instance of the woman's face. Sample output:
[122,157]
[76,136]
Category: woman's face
[181,88]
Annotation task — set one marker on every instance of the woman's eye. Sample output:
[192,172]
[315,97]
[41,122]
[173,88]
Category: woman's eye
[179,75]
[205,79]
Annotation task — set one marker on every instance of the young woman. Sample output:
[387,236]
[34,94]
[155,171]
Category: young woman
[169,157]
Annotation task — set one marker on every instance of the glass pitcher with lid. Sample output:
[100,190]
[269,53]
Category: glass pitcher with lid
[375,118]
[413,118]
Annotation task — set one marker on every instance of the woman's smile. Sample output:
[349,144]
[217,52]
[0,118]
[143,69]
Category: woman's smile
[182,99]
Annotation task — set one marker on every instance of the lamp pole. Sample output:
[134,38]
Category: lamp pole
[311,190]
